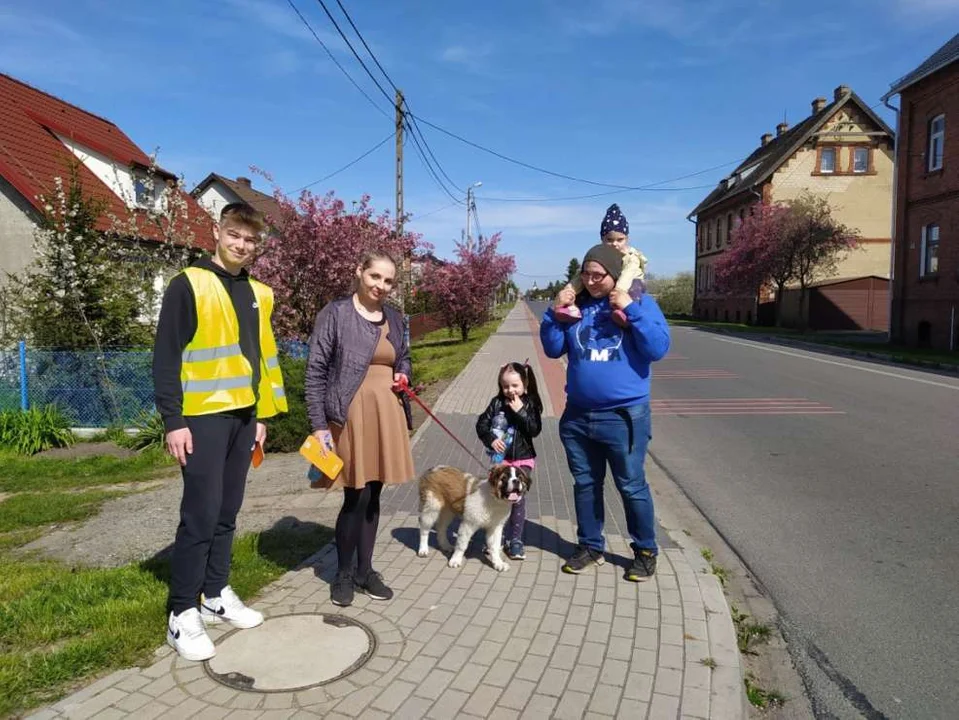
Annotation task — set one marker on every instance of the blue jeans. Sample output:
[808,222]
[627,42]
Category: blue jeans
[593,439]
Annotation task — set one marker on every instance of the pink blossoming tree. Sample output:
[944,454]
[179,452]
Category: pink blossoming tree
[464,290]
[782,243]
[313,259]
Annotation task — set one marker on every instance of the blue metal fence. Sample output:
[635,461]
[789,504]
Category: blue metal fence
[92,389]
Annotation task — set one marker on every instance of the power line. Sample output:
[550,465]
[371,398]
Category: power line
[420,142]
[437,210]
[595,195]
[563,176]
[362,40]
[353,50]
[335,61]
[350,164]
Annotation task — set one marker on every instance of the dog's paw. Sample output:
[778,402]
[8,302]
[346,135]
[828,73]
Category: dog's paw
[455,562]
[423,552]
[501,567]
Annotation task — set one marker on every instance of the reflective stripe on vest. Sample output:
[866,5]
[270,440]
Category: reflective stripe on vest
[214,353]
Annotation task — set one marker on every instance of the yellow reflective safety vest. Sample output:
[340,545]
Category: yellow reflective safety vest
[215,374]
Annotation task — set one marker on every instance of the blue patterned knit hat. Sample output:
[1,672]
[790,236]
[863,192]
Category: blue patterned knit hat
[614,221]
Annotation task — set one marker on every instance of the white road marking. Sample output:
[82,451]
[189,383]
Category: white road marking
[852,366]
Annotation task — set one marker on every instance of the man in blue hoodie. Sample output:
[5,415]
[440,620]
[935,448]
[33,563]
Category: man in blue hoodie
[607,417]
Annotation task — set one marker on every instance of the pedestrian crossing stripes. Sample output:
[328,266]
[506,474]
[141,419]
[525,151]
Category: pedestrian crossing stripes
[701,374]
[741,406]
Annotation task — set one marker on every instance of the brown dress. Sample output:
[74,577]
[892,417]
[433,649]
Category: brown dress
[374,442]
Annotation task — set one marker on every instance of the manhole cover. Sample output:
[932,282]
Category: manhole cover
[291,652]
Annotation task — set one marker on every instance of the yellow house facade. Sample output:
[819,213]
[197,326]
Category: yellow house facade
[842,151]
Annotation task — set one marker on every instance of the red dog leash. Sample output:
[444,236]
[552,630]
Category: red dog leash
[403,386]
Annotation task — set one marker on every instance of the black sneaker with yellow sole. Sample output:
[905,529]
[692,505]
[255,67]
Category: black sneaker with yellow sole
[582,559]
[643,567]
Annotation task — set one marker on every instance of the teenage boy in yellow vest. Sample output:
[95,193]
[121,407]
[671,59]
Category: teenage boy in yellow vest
[216,376]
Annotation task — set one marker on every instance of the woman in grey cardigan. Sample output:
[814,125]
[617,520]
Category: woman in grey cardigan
[357,352]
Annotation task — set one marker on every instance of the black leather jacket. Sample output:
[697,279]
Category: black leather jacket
[527,423]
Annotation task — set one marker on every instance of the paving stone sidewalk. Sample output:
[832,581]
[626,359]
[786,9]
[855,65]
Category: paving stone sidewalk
[531,642]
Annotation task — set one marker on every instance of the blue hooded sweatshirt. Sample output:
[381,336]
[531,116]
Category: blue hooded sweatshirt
[609,366]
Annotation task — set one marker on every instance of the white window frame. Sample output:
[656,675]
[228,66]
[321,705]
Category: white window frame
[928,230]
[937,141]
[822,157]
[865,167]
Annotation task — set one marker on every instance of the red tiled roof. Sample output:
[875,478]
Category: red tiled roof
[31,154]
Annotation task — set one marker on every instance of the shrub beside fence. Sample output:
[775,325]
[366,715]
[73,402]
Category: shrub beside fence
[115,387]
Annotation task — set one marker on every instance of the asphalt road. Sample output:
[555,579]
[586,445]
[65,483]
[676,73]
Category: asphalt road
[837,483]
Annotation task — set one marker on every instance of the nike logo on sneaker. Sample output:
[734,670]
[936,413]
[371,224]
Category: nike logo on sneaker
[218,611]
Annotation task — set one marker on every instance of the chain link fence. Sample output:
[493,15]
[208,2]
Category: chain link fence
[92,389]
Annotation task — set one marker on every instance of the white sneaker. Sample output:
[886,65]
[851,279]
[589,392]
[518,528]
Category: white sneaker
[186,634]
[228,607]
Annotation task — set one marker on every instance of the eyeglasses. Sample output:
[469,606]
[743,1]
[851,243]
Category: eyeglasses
[593,277]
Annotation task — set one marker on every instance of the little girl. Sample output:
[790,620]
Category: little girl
[517,408]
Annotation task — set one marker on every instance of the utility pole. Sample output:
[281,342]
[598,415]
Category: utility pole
[406,272]
[469,205]
[407,269]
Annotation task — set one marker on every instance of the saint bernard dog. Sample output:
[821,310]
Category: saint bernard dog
[447,492]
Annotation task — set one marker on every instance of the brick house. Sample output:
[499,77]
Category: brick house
[842,150]
[925,287]
[41,138]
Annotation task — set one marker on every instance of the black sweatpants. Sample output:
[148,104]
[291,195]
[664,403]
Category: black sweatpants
[214,479]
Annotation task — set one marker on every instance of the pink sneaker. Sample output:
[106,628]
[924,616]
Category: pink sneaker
[568,314]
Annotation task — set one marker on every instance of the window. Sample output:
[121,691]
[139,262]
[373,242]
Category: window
[929,262]
[860,159]
[729,226]
[719,232]
[827,160]
[937,139]
[709,236]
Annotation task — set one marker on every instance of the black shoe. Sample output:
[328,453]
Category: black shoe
[583,558]
[341,589]
[374,586]
[643,567]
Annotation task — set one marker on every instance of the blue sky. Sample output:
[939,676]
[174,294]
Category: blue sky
[615,91]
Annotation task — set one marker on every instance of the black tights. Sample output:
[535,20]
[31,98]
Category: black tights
[356,527]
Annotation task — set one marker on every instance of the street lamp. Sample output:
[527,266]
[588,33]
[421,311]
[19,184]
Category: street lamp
[469,210]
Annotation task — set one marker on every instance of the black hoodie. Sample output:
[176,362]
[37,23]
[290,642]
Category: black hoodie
[177,326]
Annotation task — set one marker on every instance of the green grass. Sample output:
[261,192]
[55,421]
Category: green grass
[440,355]
[760,697]
[28,510]
[894,353]
[749,633]
[19,474]
[60,626]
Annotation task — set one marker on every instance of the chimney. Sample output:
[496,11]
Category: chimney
[781,129]
[244,181]
[766,139]
[838,93]
[818,104]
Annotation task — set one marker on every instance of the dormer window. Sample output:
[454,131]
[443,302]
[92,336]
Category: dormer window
[145,191]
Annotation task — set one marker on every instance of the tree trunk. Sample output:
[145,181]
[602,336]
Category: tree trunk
[465,332]
[779,304]
[803,317]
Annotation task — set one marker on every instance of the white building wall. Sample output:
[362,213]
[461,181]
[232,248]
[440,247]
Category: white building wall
[215,198]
